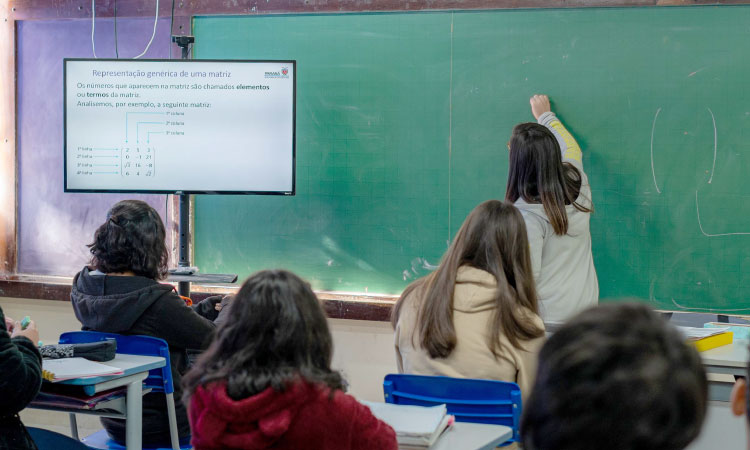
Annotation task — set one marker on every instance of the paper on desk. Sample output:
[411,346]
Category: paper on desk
[69,368]
[409,420]
[694,334]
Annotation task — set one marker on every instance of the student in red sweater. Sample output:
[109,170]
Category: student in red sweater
[266,379]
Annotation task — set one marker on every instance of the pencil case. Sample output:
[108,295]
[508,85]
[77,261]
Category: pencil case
[95,351]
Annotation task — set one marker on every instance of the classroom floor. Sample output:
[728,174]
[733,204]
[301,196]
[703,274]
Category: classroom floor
[721,431]
[59,422]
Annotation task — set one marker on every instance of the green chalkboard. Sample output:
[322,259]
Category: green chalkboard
[402,121]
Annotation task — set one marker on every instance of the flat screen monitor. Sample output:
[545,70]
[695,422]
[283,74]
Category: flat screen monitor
[179,126]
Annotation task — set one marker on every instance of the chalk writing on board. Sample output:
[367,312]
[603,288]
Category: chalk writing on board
[417,264]
[700,225]
[713,119]
[653,173]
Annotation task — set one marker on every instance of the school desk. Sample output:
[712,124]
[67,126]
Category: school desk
[725,360]
[135,369]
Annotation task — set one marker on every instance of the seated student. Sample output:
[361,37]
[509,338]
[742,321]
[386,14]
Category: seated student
[476,315]
[20,380]
[740,401]
[616,377]
[119,293]
[266,380]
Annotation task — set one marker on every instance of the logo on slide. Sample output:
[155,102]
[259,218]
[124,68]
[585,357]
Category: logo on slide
[284,73]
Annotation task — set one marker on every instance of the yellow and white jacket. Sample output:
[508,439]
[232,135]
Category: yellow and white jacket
[563,266]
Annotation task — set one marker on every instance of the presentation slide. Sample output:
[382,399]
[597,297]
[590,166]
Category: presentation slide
[171,125]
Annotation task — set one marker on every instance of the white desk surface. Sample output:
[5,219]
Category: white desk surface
[473,436]
[129,364]
[732,355]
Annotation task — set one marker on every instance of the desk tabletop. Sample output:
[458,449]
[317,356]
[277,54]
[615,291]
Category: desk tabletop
[732,355]
[130,364]
[473,436]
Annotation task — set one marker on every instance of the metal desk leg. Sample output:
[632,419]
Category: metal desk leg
[74,427]
[134,420]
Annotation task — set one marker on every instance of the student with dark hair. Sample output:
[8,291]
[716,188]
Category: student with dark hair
[547,183]
[266,380]
[739,401]
[616,377]
[119,292]
[20,380]
[476,315]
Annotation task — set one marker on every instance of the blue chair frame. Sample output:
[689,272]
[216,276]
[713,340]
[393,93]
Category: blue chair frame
[158,380]
[469,400]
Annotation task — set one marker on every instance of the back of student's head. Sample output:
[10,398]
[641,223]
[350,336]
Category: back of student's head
[276,334]
[131,239]
[616,377]
[537,174]
[492,238]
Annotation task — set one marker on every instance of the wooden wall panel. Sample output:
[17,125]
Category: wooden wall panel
[7,143]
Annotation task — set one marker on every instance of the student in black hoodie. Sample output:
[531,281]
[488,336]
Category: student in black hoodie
[20,380]
[119,292]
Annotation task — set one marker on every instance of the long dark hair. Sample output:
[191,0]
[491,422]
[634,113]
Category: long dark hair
[493,239]
[538,175]
[131,239]
[275,335]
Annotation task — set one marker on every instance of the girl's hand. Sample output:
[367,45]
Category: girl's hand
[226,300]
[539,105]
[9,323]
[30,332]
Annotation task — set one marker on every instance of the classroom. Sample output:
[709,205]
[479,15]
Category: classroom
[358,144]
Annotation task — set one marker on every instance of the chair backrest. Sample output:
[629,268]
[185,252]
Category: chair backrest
[159,380]
[49,440]
[469,400]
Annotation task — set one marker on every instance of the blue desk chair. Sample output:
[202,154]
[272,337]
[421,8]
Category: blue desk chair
[158,380]
[49,440]
[469,400]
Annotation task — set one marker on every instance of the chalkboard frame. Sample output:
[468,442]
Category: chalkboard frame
[293,191]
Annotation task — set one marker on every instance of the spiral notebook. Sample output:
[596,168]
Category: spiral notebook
[62,369]
[416,427]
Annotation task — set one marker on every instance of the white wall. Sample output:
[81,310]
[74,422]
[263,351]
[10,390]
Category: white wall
[362,350]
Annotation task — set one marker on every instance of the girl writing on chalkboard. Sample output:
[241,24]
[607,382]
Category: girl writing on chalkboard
[266,380]
[547,184]
[476,315]
[119,292]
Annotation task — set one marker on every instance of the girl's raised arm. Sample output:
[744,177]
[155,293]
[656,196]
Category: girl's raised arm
[571,151]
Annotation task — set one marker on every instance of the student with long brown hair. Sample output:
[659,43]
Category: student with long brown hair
[546,182]
[476,315]
[266,380]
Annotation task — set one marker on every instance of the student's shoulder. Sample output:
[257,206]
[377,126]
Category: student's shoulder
[166,299]
[534,216]
[348,408]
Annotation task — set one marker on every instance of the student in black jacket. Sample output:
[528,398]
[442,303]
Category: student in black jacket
[20,380]
[119,292]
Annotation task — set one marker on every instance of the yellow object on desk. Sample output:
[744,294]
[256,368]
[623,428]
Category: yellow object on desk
[714,341]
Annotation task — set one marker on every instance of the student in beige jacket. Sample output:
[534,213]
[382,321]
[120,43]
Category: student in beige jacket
[476,315]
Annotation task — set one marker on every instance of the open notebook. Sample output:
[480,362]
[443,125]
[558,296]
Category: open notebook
[69,368]
[416,427]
